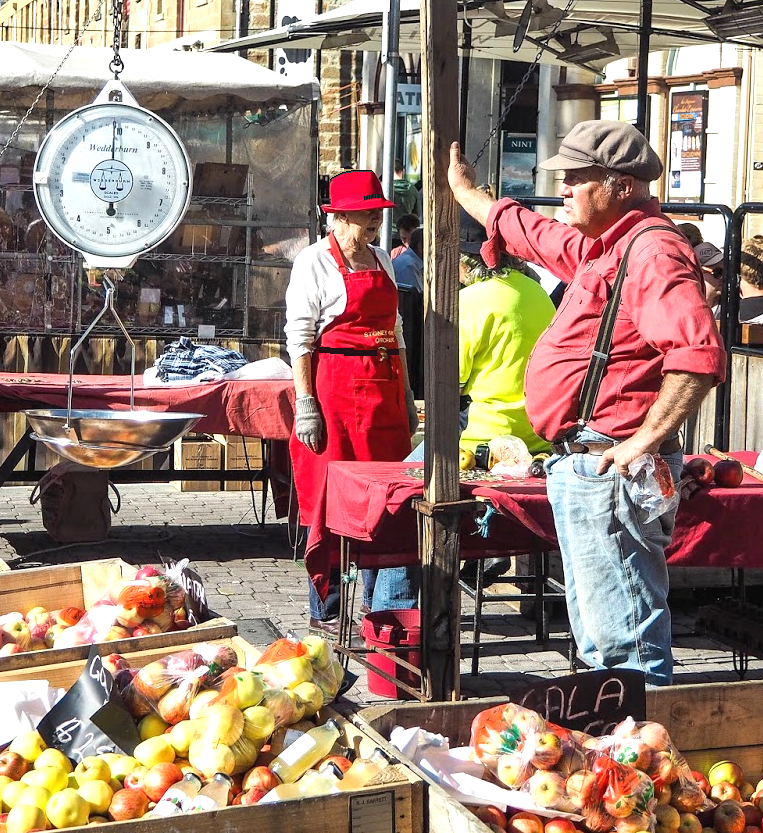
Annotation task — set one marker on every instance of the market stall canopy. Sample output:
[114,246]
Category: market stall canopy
[158,79]
[592,33]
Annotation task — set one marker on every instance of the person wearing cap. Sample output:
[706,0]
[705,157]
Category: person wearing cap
[751,282]
[345,340]
[710,258]
[665,356]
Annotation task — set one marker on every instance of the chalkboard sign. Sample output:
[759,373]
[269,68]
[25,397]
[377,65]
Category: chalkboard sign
[90,718]
[591,701]
[196,596]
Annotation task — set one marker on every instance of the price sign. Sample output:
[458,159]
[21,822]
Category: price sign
[592,701]
[90,719]
[196,597]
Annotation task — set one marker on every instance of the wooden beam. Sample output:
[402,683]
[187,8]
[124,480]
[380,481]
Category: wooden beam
[441,607]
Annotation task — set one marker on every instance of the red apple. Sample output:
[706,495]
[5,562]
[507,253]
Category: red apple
[343,763]
[134,780]
[729,817]
[129,804]
[548,750]
[752,814]
[115,663]
[148,571]
[490,815]
[689,824]
[655,736]
[13,765]
[559,825]
[524,823]
[146,628]
[582,788]
[10,648]
[160,777]
[729,473]
[703,783]
[260,776]
[250,796]
[701,470]
[68,615]
[724,791]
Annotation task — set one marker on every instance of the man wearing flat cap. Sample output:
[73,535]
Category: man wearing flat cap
[665,355]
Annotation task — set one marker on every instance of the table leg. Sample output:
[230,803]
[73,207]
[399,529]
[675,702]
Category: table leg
[25,444]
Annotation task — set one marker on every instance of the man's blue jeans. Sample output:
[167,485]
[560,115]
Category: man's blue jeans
[615,572]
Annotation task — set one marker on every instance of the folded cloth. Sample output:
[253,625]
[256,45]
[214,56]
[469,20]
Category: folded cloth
[184,360]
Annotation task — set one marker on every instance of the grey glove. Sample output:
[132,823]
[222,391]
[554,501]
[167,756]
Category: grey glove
[413,416]
[309,422]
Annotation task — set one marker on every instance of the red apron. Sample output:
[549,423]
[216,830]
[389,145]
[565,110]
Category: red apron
[358,384]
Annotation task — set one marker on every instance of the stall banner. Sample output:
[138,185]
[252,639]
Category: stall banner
[688,117]
[294,64]
[90,719]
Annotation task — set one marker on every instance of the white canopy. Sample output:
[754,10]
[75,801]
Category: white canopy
[358,25]
[158,79]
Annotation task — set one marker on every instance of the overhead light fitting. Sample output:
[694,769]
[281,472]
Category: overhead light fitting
[584,53]
[736,20]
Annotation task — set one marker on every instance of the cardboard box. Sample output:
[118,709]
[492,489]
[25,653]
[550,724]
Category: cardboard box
[197,453]
[200,239]
[82,585]
[240,454]
[219,179]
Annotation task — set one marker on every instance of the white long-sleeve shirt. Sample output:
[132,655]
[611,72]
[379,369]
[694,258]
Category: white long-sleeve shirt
[316,295]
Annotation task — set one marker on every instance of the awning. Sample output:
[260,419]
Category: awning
[594,32]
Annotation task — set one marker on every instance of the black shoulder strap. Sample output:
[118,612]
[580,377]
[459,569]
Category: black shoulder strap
[597,364]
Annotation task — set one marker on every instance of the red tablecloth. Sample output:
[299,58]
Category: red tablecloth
[247,408]
[370,501]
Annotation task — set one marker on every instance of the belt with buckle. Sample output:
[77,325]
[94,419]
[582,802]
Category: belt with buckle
[598,448]
[381,352]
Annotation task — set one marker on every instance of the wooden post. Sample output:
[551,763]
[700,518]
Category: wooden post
[440,597]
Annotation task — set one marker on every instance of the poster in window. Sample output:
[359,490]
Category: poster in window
[688,117]
[518,159]
[294,64]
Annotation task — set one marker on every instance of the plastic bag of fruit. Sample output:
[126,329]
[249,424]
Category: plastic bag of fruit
[647,746]
[651,486]
[152,602]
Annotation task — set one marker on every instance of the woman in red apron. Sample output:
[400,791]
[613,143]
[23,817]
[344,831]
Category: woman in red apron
[354,400]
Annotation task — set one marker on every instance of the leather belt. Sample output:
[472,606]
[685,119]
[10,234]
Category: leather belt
[598,448]
[381,352]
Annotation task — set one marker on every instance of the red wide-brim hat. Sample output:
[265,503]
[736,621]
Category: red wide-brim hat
[356,191]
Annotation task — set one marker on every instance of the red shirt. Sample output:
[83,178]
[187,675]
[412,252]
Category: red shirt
[663,324]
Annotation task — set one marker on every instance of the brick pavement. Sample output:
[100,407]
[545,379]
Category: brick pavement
[249,573]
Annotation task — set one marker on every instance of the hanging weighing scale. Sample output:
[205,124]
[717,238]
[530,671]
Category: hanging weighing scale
[112,180]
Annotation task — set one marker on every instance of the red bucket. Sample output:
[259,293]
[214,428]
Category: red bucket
[389,629]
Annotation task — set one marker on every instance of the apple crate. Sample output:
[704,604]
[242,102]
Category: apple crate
[81,585]
[707,722]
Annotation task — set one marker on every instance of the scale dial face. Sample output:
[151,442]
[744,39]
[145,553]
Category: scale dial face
[112,180]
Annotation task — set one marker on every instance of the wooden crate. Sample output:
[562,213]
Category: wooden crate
[81,585]
[707,722]
[197,453]
[240,454]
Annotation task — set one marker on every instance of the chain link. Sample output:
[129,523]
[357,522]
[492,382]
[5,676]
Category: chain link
[117,64]
[507,109]
[50,80]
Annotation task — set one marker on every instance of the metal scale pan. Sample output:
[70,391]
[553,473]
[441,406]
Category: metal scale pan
[107,439]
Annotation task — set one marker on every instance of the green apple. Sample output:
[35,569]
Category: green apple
[29,745]
[98,795]
[259,723]
[53,757]
[53,778]
[67,809]
[24,818]
[151,726]
[92,768]
[36,796]
[156,750]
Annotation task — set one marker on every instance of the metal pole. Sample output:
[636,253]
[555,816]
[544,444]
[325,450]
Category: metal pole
[390,58]
[464,103]
[644,33]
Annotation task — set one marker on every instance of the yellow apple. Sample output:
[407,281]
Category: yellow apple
[201,701]
[295,671]
[67,809]
[121,766]
[299,706]
[24,818]
[156,750]
[53,757]
[211,759]
[92,768]
[4,779]
[318,650]
[98,795]
[247,689]
[181,735]
[311,696]
[466,459]
[29,745]
[151,726]
[36,796]
[11,793]
[53,778]
[224,724]
[259,723]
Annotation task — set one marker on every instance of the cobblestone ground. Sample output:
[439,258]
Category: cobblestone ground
[250,573]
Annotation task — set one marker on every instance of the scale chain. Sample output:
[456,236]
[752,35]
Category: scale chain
[117,64]
[505,112]
[50,80]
